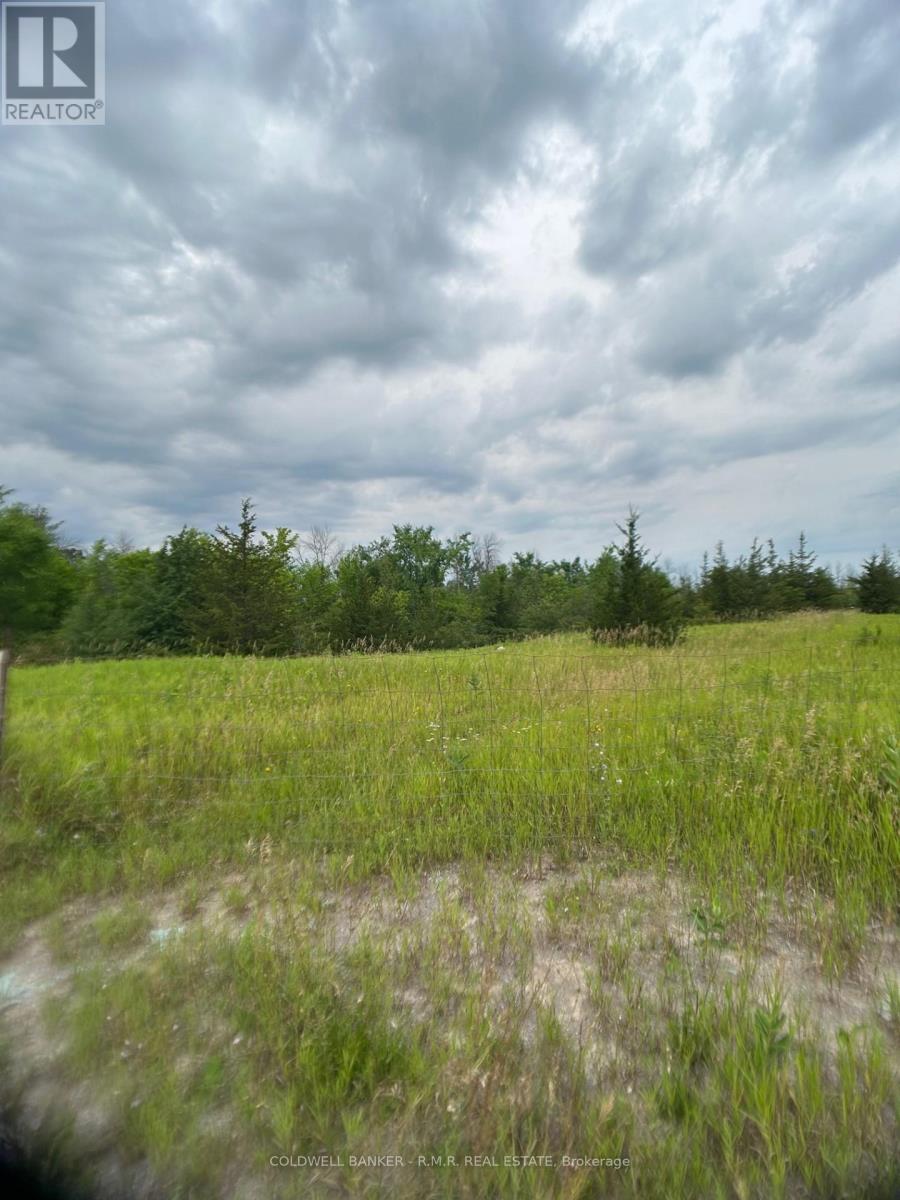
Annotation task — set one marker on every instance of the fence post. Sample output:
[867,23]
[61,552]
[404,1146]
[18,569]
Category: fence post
[4,671]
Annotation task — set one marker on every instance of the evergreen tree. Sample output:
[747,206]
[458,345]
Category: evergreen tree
[717,588]
[757,595]
[177,594]
[798,576]
[878,584]
[115,595]
[249,598]
[639,596]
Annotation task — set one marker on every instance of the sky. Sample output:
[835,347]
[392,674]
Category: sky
[496,265]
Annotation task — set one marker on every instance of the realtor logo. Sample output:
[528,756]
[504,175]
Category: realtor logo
[54,63]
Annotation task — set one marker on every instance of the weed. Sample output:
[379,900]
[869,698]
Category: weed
[771,1041]
[710,921]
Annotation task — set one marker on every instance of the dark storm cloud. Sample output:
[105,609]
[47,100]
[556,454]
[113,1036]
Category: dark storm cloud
[855,91]
[732,299]
[489,261]
[641,216]
[660,200]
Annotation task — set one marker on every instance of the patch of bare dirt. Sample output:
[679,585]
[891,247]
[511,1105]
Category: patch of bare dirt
[521,939]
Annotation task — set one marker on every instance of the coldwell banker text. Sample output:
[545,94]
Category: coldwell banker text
[54,63]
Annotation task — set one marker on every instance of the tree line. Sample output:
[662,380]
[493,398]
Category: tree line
[246,590]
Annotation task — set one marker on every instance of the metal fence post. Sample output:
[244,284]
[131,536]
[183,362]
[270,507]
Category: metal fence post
[4,671]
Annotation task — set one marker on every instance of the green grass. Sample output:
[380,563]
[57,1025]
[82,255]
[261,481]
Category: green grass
[756,765]
[764,751]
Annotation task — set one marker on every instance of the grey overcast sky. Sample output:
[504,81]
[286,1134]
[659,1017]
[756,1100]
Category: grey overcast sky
[483,264]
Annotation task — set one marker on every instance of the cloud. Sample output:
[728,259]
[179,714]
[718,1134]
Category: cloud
[500,264]
[855,92]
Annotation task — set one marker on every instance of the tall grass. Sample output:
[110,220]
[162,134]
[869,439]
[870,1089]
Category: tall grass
[763,752]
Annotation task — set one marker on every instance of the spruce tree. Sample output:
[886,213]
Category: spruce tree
[640,595]
[878,584]
[250,596]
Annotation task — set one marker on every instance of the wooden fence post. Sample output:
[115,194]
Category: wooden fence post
[4,671]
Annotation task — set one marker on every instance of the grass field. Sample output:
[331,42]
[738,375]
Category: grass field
[546,900]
